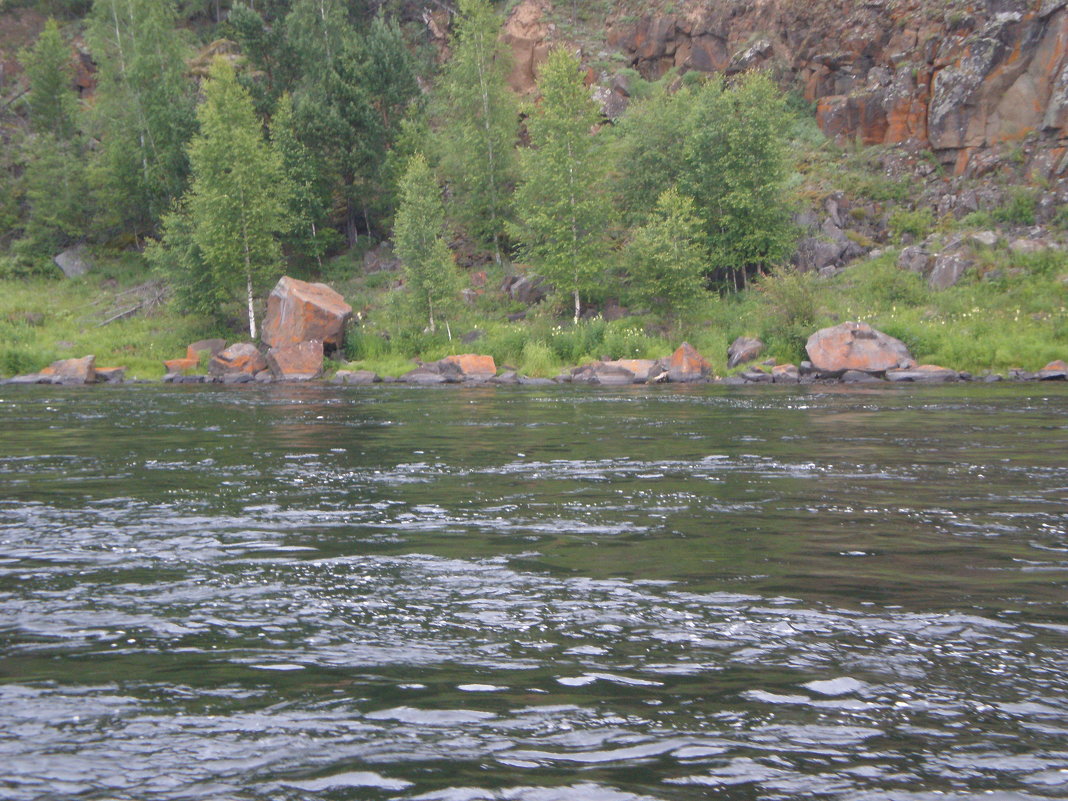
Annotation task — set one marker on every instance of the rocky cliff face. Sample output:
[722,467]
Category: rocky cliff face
[957,77]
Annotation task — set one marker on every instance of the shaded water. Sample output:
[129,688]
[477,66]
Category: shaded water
[541,595]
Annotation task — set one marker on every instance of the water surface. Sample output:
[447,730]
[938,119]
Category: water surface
[538,594]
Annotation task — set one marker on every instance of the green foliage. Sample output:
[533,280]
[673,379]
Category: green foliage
[52,105]
[307,232]
[651,150]
[916,223]
[432,278]
[736,172]
[479,119]
[561,201]
[1018,208]
[143,112]
[229,241]
[790,311]
[55,189]
[665,258]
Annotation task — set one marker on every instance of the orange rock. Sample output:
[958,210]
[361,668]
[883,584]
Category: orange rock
[72,371]
[298,311]
[474,365]
[1054,370]
[211,346]
[181,366]
[300,362]
[243,357]
[856,346]
[686,364]
[643,369]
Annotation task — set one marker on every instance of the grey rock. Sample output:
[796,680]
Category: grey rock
[859,377]
[74,262]
[948,269]
[914,259]
[743,350]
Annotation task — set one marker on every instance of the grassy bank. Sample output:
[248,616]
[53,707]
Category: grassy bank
[1008,311]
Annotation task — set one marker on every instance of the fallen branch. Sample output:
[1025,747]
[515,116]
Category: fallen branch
[133,309]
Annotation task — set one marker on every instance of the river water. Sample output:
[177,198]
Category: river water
[533,594]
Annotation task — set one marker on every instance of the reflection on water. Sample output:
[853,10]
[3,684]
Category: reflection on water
[466,594]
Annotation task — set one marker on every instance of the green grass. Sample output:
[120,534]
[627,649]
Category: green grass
[45,319]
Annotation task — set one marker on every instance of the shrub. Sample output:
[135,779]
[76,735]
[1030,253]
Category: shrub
[1019,207]
[918,223]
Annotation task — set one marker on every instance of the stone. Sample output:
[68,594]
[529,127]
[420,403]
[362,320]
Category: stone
[785,374]
[744,349]
[301,361]
[355,377]
[210,346]
[855,346]
[526,289]
[242,357]
[985,238]
[687,365]
[74,262]
[110,375]
[473,366]
[754,375]
[535,382]
[610,375]
[238,378]
[508,377]
[71,371]
[642,370]
[859,377]
[298,311]
[181,366]
[924,374]
[914,259]
[1054,371]
[948,269]
[423,376]
[1025,246]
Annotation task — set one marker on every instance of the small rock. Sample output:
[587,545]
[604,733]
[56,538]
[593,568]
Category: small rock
[181,366]
[472,366]
[744,349]
[507,377]
[613,375]
[355,377]
[640,369]
[687,365]
[110,375]
[237,378]
[242,357]
[72,371]
[924,374]
[985,238]
[859,377]
[914,259]
[1054,371]
[948,269]
[785,374]
[423,376]
[754,375]
[210,346]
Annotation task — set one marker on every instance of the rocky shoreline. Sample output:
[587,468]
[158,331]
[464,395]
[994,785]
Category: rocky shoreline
[305,324]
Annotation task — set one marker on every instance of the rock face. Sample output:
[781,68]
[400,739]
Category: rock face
[687,365]
[302,361]
[743,350]
[244,357]
[957,79]
[525,33]
[71,371]
[856,346]
[298,311]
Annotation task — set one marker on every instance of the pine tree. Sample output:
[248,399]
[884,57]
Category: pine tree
[417,236]
[736,172]
[306,213]
[479,124]
[144,110]
[561,203]
[52,104]
[229,242]
[54,178]
[665,257]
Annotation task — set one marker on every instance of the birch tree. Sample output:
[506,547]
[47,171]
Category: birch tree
[561,204]
[479,124]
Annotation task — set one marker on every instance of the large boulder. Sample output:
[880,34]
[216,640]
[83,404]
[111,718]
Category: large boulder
[856,346]
[643,370]
[687,365]
[72,371]
[243,357]
[744,349]
[302,361]
[472,366]
[298,311]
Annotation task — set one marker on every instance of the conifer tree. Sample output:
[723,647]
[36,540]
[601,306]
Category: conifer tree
[418,240]
[479,124]
[665,257]
[561,204]
[54,179]
[51,101]
[229,241]
[143,110]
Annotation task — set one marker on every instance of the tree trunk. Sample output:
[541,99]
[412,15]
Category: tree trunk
[251,307]
[578,307]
